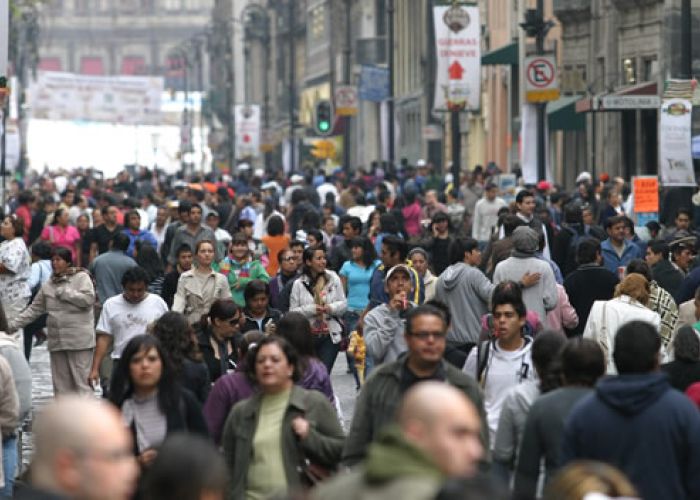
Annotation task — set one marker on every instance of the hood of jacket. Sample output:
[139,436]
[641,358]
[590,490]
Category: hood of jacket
[632,394]
[392,457]
[454,274]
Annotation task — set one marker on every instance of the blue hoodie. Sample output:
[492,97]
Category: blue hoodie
[639,424]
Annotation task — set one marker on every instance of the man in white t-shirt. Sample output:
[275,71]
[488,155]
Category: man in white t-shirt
[125,316]
[506,360]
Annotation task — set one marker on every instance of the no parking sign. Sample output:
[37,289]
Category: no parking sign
[541,82]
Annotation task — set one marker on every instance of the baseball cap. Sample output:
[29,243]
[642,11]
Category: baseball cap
[399,268]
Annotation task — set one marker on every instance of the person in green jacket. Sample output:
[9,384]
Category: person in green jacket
[437,437]
[241,268]
[268,436]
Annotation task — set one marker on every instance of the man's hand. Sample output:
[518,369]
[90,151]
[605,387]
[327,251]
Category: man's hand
[94,377]
[398,302]
[147,457]
[530,279]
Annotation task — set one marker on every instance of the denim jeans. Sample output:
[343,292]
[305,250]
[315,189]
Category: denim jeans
[9,466]
[326,351]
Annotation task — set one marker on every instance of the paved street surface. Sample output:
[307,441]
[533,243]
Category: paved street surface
[42,391]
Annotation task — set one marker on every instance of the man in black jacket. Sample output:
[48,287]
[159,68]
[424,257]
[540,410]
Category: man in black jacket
[590,282]
[668,277]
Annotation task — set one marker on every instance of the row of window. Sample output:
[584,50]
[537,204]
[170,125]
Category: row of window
[95,65]
[127,6]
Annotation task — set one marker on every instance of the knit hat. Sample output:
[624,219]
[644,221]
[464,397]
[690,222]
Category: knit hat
[525,239]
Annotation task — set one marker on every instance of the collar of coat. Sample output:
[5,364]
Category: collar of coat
[297,401]
[71,271]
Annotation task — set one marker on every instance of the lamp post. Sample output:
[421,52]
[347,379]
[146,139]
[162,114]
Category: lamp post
[258,24]
[390,51]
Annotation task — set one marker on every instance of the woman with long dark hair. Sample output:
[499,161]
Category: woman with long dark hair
[318,295]
[313,373]
[60,234]
[217,335]
[147,257]
[144,387]
[279,428]
[176,336]
[15,266]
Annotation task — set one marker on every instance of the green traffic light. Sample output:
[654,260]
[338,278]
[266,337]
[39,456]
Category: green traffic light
[324,126]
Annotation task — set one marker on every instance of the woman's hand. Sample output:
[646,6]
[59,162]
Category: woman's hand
[321,309]
[301,427]
[147,457]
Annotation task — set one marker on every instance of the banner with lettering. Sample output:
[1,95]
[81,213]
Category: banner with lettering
[675,146]
[458,42]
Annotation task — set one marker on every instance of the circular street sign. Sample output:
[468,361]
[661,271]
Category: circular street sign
[540,73]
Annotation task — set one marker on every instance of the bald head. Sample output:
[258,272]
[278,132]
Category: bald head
[83,450]
[441,421]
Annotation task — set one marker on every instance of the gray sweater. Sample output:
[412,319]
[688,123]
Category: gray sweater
[467,292]
[542,438]
[21,372]
[541,297]
[384,334]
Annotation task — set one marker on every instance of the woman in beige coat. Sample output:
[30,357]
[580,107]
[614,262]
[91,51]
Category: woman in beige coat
[199,287]
[68,298]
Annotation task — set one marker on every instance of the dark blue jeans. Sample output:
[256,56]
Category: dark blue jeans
[326,351]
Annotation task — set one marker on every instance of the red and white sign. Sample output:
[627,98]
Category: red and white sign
[458,41]
[541,83]
[345,100]
[247,130]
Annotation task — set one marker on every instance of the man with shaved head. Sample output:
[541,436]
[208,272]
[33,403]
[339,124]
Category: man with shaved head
[437,437]
[378,402]
[82,450]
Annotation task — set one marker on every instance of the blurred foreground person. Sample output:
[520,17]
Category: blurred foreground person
[188,468]
[582,479]
[81,451]
[437,437]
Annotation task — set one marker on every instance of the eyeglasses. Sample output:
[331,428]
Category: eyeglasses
[426,335]
[234,321]
[289,259]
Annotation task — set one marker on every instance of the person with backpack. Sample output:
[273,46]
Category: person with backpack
[504,360]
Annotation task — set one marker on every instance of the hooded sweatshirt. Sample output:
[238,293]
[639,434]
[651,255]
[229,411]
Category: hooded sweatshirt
[467,292]
[639,424]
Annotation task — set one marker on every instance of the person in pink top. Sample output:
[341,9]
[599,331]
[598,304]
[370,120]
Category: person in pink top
[61,234]
[411,214]
[564,315]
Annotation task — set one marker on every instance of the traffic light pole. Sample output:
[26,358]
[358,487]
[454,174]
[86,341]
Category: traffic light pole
[346,78]
[390,51]
[686,69]
[542,106]
[456,138]
[292,85]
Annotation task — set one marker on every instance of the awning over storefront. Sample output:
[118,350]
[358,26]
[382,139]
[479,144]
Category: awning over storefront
[561,114]
[640,96]
[508,54]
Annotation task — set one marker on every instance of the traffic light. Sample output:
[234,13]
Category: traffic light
[324,118]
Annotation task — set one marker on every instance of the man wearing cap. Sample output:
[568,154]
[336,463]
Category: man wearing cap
[486,214]
[682,254]
[394,251]
[384,325]
[543,296]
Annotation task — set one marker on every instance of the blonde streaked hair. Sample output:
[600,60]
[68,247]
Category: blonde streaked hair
[636,286]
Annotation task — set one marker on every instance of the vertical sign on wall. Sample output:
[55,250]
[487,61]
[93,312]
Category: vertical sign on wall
[457,40]
[675,143]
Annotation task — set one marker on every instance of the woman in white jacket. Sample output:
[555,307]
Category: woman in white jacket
[318,294]
[607,316]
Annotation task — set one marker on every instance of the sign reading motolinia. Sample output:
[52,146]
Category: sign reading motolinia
[457,41]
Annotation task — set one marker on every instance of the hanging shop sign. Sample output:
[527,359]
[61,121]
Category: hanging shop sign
[675,143]
[457,44]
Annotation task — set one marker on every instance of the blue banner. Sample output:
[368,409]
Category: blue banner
[374,83]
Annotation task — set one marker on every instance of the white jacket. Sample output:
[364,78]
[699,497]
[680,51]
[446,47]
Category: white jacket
[302,301]
[607,316]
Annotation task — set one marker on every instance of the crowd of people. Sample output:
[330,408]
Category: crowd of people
[534,343]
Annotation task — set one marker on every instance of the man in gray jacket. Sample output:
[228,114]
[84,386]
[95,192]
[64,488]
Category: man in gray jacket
[467,292]
[541,298]
[384,325]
